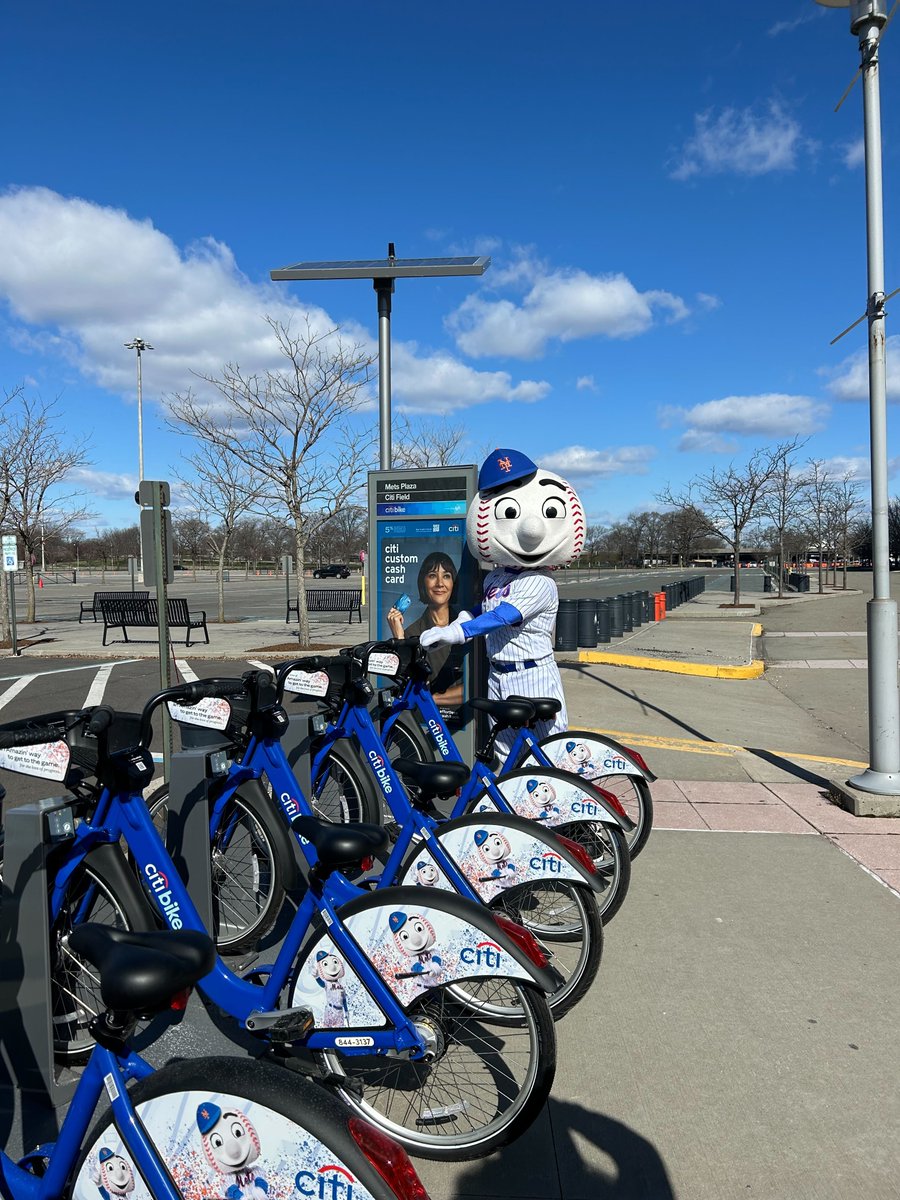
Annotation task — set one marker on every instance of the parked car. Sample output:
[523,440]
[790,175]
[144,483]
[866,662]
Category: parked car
[332,571]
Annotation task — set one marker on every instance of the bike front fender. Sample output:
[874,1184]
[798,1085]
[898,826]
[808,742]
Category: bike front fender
[551,797]
[531,853]
[415,940]
[590,756]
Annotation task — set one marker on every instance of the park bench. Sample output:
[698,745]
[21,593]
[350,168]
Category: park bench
[348,600]
[126,613]
[94,606]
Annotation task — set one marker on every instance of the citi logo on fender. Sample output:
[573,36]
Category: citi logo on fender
[549,863]
[330,1182]
[485,954]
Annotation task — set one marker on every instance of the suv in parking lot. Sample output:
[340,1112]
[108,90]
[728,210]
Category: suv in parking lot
[332,571]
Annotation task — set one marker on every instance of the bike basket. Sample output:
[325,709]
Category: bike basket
[124,733]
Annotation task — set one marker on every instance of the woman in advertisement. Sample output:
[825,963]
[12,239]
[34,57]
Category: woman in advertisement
[437,584]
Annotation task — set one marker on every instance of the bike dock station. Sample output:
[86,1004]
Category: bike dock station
[31,832]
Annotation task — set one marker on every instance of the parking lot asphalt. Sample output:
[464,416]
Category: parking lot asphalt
[742,1038]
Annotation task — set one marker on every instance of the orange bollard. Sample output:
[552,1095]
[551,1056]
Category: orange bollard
[659,599]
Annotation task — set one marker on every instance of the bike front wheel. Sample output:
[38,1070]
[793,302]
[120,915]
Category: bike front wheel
[238,1127]
[102,890]
[607,846]
[480,1085]
[343,790]
[251,858]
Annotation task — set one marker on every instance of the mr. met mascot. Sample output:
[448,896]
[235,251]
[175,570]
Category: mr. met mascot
[524,521]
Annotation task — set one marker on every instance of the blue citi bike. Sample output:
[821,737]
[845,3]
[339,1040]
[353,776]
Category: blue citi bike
[384,996]
[239,1128]
[355,769]
[541,881]
[413,726]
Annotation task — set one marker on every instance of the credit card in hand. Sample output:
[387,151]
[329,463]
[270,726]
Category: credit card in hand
[403,603]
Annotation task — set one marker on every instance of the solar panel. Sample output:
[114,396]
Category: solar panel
[384,268]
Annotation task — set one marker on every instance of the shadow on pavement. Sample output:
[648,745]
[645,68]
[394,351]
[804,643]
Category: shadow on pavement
[597,1158]
[784,764]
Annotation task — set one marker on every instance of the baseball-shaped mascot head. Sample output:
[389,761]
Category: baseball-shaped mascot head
[523,515]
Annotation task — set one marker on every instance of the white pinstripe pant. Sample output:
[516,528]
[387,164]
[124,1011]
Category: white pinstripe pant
[541,680]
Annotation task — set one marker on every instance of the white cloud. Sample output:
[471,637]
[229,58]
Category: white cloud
[854,153]
[708,302]
[81,279]
[767,415]
[107,485]
[440,383]
[583,463]
[702,441]
[585,383]
[741,142]
[803,18]
[561,305]
[850,380]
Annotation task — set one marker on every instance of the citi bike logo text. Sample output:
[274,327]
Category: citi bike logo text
[159,886]
[438,736]
[485,954]
[615,764]
[289,804]
[330,1182]
[548,862]
[378,767]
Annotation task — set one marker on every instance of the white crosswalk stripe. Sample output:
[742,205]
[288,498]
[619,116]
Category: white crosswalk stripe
[11,692]
[185,671]
[98,686]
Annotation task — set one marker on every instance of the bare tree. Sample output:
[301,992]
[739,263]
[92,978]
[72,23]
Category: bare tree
[43,461]
[848,507]
[221,485]
[783,497]
[425,443]
[290,427]
[685,528]
[190,535]
[818,498]
[729,500]
[7,451]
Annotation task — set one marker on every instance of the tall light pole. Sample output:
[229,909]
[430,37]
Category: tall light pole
[140,346]
[882,777]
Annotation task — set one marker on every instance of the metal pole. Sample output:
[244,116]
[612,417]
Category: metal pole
[165,677]
[12,614]
[140,399]
[384,289]
[883,774]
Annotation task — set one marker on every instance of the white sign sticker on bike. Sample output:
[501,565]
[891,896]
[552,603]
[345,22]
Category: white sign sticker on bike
[383,662]
[306,683]
[212,712]
[49,760]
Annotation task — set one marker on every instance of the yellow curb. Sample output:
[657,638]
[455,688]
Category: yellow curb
[649,741]
[752,670]
[756,631]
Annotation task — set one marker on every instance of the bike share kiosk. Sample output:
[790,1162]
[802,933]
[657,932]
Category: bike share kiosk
[417,526]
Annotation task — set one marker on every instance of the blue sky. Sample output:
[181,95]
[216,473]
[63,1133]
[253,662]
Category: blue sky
[674,213]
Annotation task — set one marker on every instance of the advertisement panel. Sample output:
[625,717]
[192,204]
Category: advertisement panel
[420,570]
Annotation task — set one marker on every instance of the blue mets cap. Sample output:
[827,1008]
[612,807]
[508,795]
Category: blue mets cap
[481,836]
[105,1154]
[320,954]
[503,466]
[531,784]
[207,1115]
[570,746]
[396,921]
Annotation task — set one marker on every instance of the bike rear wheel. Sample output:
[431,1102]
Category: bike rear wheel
[482,1086]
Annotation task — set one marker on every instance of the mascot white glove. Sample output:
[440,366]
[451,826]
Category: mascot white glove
[442,635]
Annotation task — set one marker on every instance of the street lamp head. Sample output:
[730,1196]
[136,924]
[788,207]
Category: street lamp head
[138,344]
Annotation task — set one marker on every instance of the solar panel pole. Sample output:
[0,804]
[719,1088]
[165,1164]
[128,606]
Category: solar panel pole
[383,273]
[384,289]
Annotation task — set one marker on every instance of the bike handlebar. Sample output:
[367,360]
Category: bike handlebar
[54,731]
[188,693]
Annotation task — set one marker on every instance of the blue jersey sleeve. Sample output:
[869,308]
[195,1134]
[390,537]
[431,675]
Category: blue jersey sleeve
[503,614]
